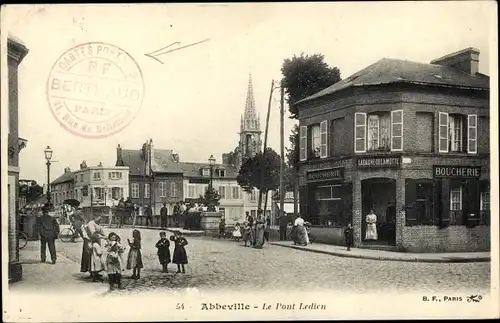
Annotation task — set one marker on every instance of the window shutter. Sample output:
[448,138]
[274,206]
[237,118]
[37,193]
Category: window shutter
[303,142]
[324,139]
[359,132]
[397,130]
[410,197]
[443,132]
[472,133]
[444,219]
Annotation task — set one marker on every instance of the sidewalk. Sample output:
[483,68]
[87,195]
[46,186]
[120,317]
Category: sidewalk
[187,233]
[64,276]
[453,257]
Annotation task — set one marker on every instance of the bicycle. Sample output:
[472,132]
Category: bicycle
[68,234]
[22,238]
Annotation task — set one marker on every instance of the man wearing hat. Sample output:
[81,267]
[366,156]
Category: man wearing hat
[48,230]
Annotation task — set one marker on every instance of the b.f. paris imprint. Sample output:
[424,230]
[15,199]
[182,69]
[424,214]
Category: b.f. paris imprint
[95,89]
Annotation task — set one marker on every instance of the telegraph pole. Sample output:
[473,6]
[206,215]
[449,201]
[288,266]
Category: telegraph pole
[282,153]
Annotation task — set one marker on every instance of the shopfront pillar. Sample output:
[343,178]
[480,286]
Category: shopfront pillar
[356,211]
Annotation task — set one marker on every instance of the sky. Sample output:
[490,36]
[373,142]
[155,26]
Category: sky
[193,102]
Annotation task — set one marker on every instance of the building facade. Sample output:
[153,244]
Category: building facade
[100,185]
[154,177]
[62,188]
[409,141]
[16,51]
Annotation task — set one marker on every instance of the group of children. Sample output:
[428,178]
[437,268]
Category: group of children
[113,262]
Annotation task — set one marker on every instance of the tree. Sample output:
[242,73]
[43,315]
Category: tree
[210,199]
[32,191]
[304,76]
[252,170]
[292,159]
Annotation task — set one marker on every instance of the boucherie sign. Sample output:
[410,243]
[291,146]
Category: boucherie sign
[440,171]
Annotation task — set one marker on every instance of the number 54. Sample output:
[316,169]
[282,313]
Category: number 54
[179,306]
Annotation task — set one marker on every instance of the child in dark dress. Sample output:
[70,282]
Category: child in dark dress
[348,236]
[134,260]
[163,246]
[180,255]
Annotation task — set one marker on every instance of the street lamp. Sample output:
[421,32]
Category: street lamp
[211,162]
[48,156]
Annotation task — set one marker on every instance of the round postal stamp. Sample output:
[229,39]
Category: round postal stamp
[95,89]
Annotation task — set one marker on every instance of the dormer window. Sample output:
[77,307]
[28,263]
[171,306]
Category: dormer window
[205,172]
[222,172]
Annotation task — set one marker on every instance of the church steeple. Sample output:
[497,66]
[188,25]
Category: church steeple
[250,133]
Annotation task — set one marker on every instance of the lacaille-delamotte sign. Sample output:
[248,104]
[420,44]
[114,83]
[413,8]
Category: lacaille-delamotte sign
[445,171]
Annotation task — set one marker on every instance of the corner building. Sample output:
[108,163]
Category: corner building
[409,141]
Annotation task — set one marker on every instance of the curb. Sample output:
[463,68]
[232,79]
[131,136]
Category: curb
[384,258]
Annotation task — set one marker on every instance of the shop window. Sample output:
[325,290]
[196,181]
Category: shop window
[457,133]
[484,210]
[329,205]
[456,214]
[419,201]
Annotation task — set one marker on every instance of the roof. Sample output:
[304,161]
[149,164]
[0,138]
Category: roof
[164,162]
[66,177]
[388,71]
[192,170]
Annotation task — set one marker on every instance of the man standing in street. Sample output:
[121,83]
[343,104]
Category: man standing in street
[149,215]
[283,222]
[163,215]
[48,230]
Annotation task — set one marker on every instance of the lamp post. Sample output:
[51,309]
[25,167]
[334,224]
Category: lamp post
[48,156]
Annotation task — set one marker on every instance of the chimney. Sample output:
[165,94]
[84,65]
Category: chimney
[466,60]
[119,156]
[67,170]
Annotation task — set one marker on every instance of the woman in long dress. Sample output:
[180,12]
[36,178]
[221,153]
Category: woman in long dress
[259,232]
[88,231]
[302,236]
[371,226]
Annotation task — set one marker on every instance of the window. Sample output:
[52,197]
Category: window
[173,190]
[315,140]
[135,190]
[117,193]
[484,205]
[81,177]
[114,175]
[206,172]
[97,176]
[236,192]
[162,188]
[303,142]
[222,192]
[191,193]
[253,196]
[373,134]
[360,132]
[457,133]
[324,139]
[397,130]
[222,172]
[456,204]
[147,190]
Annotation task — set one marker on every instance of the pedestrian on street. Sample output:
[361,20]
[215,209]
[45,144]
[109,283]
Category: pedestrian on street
[88,231]
[114,264]
[163,215]
[222,228]
[47,228]
[246,233]
[149,215]
[163,246]
[237,232]
[97,261]
[267,229]
[134,260]
[349,236]
[259,230]
[180,254]
[283,222]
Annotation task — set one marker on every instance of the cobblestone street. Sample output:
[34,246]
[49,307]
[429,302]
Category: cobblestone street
[219,264]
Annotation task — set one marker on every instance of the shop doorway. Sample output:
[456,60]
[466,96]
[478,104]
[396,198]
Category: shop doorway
[379,195]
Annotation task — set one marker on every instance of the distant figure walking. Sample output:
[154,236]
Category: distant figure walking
[222,228]
[134,260]
[48,229]
[180,254]
[163,246]
[371,226]
[349,236]
[163,215]
[301,232]
[259,231]
[149,215]
[246,236]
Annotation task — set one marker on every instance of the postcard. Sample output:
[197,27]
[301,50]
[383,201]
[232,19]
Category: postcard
[249,161]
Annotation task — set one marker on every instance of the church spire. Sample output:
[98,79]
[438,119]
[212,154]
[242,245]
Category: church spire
[250,110]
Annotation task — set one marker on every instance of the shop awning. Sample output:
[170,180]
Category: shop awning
[287,207]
